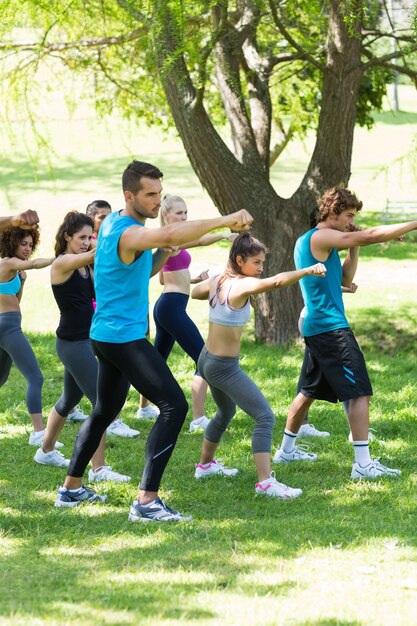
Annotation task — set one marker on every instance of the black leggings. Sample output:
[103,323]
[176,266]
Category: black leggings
[140,364]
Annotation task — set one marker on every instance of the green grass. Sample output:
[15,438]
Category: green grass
[344,554]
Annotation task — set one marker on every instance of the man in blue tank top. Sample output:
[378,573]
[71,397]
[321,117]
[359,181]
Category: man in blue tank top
[123,265]
[336,369]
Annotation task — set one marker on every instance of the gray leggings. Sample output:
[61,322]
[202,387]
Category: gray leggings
[80,375]
[230,386]
[15,348]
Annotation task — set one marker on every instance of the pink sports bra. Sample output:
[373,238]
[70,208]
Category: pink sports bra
[180,261]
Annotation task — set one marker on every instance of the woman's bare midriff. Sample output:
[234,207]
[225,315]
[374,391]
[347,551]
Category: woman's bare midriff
[177,282]
[224,340]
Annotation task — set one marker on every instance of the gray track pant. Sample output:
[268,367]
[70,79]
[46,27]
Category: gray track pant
[231,387]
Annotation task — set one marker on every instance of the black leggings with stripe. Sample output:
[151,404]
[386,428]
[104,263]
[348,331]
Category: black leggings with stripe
[142,366]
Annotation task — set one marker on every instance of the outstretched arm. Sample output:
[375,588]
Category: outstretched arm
[139,238]
[27,221]
[13,263]
[208,240]
[324,239]
[248,286]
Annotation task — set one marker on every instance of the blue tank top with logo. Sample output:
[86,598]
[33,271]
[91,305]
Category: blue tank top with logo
[121,290]
[322,296]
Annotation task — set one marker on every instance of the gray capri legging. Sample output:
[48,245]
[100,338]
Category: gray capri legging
[15,348]
[80,375]
[231,387]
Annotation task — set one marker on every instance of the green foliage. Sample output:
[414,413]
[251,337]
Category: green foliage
[113,45]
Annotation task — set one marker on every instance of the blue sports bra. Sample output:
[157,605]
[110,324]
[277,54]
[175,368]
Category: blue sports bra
[224,314]
[12,287]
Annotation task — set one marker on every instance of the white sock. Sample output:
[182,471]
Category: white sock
[149,503]
[288,441]
[198,420]
[361,450]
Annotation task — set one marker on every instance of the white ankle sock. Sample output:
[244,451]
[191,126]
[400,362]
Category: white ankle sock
[361,450]
[288,441]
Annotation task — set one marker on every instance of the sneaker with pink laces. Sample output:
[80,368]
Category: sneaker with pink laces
[273,489]
[214,468]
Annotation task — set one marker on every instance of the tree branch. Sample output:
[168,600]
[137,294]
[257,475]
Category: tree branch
[305,55]
[98,42]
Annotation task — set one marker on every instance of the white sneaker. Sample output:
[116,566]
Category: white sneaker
[273,489]
[371,435]
[106,473]
[77,415]
[298,454]
[54,458]
[214,468]
[199,425]
[120,429]
[309,430]
[147,412]
[375,469]
[36,439]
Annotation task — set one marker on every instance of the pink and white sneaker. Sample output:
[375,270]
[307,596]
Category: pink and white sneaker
[214,468]
[273,489]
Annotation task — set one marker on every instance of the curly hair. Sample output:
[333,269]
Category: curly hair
[73,223]
[10,239]
[336,200]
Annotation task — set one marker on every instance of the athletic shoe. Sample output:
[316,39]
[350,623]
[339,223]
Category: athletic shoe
[54,458]
[309,430]
[371,435]
[214,468]
[298,454]
[36,439]
[157,511]
[65,497]
[77,415]
[201,425]
[147,412]
[106,473]
[375,469]
[120,429]
[273,489]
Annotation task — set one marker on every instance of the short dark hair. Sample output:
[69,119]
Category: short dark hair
[94,206]
[135,171]
[10,239]
[336,200]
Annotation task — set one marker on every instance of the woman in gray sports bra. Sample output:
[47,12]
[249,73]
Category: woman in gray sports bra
[16,248]
[229,310]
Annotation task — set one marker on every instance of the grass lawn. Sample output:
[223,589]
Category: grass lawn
[344,554]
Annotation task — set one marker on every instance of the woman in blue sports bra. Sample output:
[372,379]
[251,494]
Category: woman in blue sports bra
[16,248]
[229,309]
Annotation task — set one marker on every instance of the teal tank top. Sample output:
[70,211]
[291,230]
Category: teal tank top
[12,287]
[322,296]
[121,290]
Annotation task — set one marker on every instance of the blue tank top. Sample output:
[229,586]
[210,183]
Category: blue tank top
[121,290]
[322,296]
[224,314]
[12,287]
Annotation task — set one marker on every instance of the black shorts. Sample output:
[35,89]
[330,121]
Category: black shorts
[334,367]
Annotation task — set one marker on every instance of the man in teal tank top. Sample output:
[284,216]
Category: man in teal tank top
[336,369]
[123,265]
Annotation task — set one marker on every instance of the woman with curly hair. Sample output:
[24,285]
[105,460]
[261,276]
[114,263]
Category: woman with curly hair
[16,247]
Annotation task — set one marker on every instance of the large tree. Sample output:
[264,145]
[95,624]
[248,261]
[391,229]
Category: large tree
[265,69]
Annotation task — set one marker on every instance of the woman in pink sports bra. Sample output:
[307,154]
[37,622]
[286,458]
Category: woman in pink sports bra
[229,310]
[171,319]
